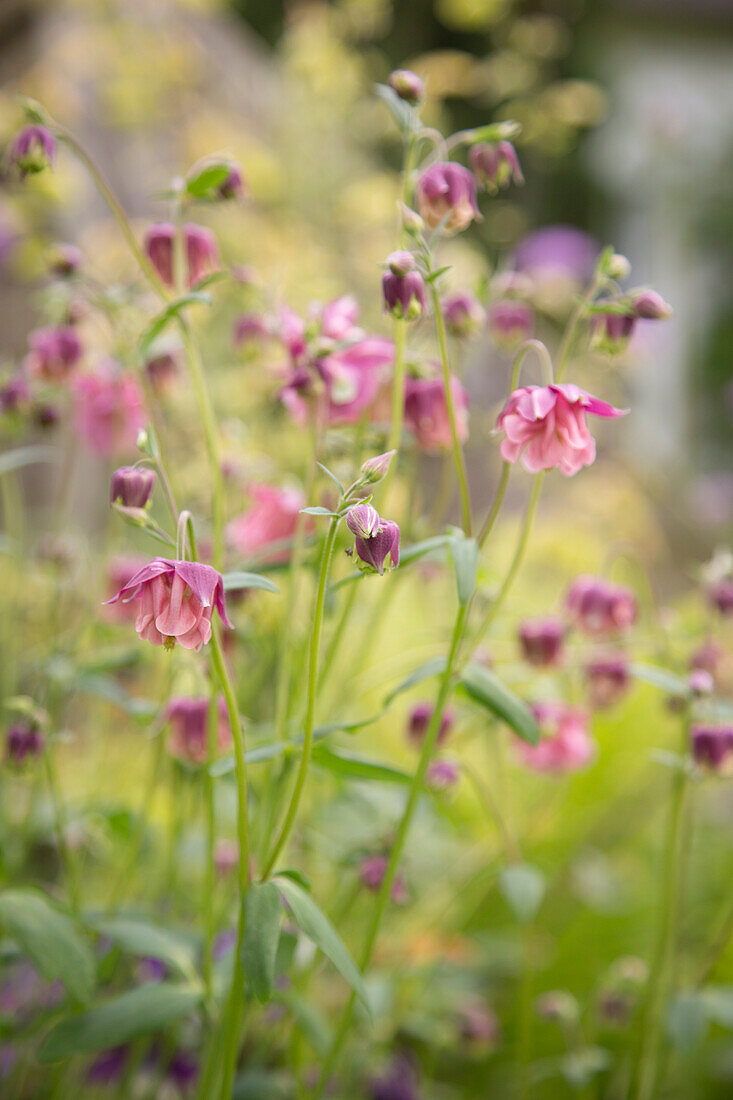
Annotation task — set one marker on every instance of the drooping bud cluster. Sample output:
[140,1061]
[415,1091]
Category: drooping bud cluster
[377,540]
[611,331]
[542,642]
[403,288]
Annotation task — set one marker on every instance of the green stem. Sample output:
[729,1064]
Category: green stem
[311,703]
[458,456]
[67,859]
[496,506]
[571,329]
[524,1029]
[209,883]
[416,788]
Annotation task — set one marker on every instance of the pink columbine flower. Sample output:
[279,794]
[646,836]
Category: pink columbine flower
[250,328]
[120,570]
[426,412]
[608,680]
[32,150]
[54,352]
[188,718]
[403,289]
[463,313]
[351,380]
[510,322]
[132,486]
[542,642]
[701,683]
[596,606]
[339,319]
[109,407]
[419,719]
[271,518]
[446,194]
[374,550]
[23,741]
[15,394]
[546,427]
[201,253]
[442,775]
[611,332]
[407,85]
[566,744]
[177,599]
[720,595]
[712,748]
[372,872]
[495,165]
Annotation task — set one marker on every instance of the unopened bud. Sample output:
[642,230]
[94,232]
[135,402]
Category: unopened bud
[407,85]
[374,469]
[363,521]
[618,267]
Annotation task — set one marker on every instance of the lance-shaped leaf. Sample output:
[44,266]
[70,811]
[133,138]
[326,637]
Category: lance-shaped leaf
[139,937]
[431,668]
[350,766]
[235,582]
[164,318]
[485,687]
[261,935]
[523,888]
[50,939]
[465,554]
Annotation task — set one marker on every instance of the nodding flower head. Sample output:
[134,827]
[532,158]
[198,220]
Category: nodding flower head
[720,595]
[200,252]
[442,775]
[132,486]
[380,548]
[420,718]
[463,313]
[566,744]
[403,288]
[374,469]
[546,427]
[363,520]
[109,409]
[188,718]
[608,680]
[446,195]
[23,741]
[234,185]
[597,607]
[510,322]
[542,641]
[177,600]
[611,332]
[495,165]
[712,748]
[32,150]
[54,352]
[651,306]
[372,871]
[407,85]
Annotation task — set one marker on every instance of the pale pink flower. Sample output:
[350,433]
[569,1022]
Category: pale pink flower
[177,599]
[546,427]
[339,317]
[566,744]
[109,409]
[426,412]
[54,352]
[446,194]
[349,379]
[271,518]
[120,570]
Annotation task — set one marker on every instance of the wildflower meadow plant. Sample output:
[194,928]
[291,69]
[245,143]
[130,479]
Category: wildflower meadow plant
[264,836]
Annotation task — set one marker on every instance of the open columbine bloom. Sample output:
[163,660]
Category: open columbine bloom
[446,194]
[545,426]
[201,252]
[598,606]
[566,744]
[109,409]
[177,602]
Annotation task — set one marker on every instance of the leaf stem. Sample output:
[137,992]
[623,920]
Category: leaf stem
[458,456]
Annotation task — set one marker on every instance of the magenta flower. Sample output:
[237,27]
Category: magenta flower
[363,521]
[271,518]
[188,720]
[608,680]
[23,741]
[426,412]
[612,332]
[546,427]
[596,606]
[32,150]
[419,719]
[495,165]
[446,193]
[54,352]
[109,409]
[712,748]
[403,289]
[566,744]
[234,185]
[177,599]
[720,595]
[15,394]
[442,775]
[510,322]
[339,319]
[407,85]
[651,306]
[132,486]
[375,550]
[201,252]
[66,259]
[463,313]
[350,380]
[542,642]
[372,872]
[250,328]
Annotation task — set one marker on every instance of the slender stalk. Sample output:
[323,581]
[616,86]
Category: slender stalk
[571,329]
[67,858]
[491,518]
[416,787]
[525,1016]
[311,703]
[458,456]
[209,883]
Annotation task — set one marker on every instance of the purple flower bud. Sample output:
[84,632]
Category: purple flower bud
[400,263]
[442,775]
[108,1067]
[463,313]
[611,332]
[374,469]
[495,166]
[46,415]
[618,267]
[542,641]
[201,253]
[446,194]
[363,520]
[132,486]
[23,740]
[66,259]
[54,352]
[608,680]
[32,150]
[420,718]
[250,328]
[374,551]
[707,657]
[597,606]
[701,682]
[412,223]
[372,872]
[234,185]
[510,322]
[407,85]
[15,394]
[183,1070]
[712,748]
[162,370]
[651,306]
[720,595]
[403,288]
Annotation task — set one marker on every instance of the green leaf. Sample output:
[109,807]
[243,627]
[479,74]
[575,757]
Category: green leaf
[317,510]
[234,582]
[138,1012]
[309,1019]
[351,766]
[433,667]
[138,937]
[50,939]
[660,678]
[207,180]
[523,887]
[260,1084]
[465,553]
[261,936]
[687,1021]
[485,687]
[26,456]
[318,928]
[163,319]
[332,476]
[104,687]
[493,131]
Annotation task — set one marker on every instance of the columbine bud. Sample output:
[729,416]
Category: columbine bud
[234,185]
[712,748]
[618,267]
[412,223]
[420,718]
[132,486]
[22,740]
[598,607]
[608,680]
[442,775]
[372,872]
[374,469]
[201,254]
[407,85]
[363,521]
[374,551]
[495,166]
[510,322]
[611,332]
[542,641]
[651,306]
[33,149]
[65,260]
[720,595]
[463,313]
[446,195]
[402,287]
